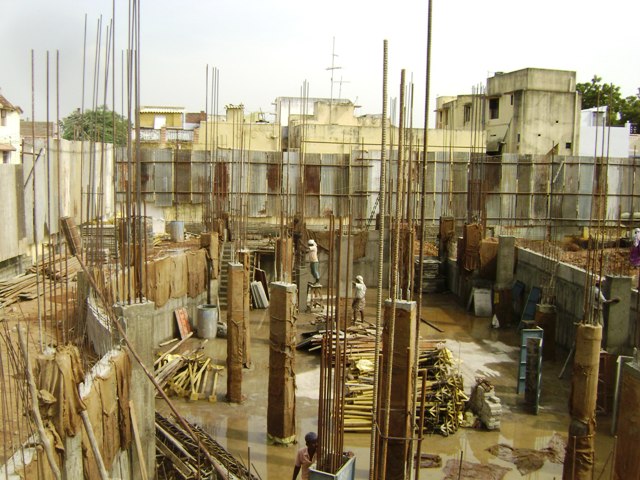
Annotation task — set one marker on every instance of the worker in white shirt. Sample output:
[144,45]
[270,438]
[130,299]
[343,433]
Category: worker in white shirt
[358,304]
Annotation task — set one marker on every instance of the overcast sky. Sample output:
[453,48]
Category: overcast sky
[268,48]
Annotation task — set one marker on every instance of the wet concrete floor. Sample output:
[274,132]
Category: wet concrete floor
[492,353]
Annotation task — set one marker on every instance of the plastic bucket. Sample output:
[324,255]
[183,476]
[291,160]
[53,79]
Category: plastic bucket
[207,322]
[176,231]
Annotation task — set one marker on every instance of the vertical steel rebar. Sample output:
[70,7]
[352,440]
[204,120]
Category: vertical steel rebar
[383,181]
[423,200]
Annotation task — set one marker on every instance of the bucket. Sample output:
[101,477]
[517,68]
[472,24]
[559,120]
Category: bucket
[176,231]
[207,323]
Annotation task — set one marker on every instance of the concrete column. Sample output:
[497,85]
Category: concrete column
[579,456]
[281,403]
[304,278]
[616,316]
[345,264]
[235,331]
[139,325]
[72,465]
[402,385]
[210,241]
[244,257]
[505,261]
[284,259]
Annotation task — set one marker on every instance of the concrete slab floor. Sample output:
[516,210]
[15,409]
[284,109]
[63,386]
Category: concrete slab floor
[483,351]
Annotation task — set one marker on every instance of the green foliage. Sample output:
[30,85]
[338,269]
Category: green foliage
[621,110]
[95,125]
[630,111]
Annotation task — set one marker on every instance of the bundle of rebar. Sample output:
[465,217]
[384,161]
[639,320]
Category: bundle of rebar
[178,456]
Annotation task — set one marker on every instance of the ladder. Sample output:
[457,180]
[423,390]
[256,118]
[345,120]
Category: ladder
[373,214]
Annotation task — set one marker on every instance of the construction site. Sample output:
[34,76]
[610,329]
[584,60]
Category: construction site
[457,302]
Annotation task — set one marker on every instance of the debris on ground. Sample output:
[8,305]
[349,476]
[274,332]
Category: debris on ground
[473,471]
[189,374]
[430,460]
[528,460]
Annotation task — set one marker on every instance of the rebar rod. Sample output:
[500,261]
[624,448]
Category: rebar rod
[34,160]
[391,322]
[383,181]
[423,200]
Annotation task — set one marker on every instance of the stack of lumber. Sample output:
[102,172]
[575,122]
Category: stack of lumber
[49,271]
[190,374]
[444,400]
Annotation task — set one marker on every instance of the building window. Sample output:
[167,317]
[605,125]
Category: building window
[518,138]
[6,157]
[3,117]
[511,99]
[567,145]
[467,113]
[494,108]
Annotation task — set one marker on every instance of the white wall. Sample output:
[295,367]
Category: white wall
[598,141]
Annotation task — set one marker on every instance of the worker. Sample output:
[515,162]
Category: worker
[634,254]
[358,304]
[312,257]
[599,300]
[306,456]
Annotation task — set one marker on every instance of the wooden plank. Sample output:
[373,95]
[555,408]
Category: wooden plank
[182,319]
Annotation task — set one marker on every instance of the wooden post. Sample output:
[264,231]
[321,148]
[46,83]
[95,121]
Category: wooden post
[281,404]
[235,331]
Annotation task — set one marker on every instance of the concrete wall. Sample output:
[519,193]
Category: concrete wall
[533,269]
[10,135]
[57,183]
[13,235]
[614,144]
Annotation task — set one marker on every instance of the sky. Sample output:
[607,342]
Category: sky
[264,49]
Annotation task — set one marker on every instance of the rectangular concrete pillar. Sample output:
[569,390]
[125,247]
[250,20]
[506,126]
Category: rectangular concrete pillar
[138,321]
[627,461]
[244,256]
[235,331]
[616,316]
[304,278]
[506,260]
[281,403]
[402,386]
[210,241]
[72,465]
[284,259]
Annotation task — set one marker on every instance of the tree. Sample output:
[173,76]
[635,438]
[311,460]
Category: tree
[630,111]
[95,125]
[597,94]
